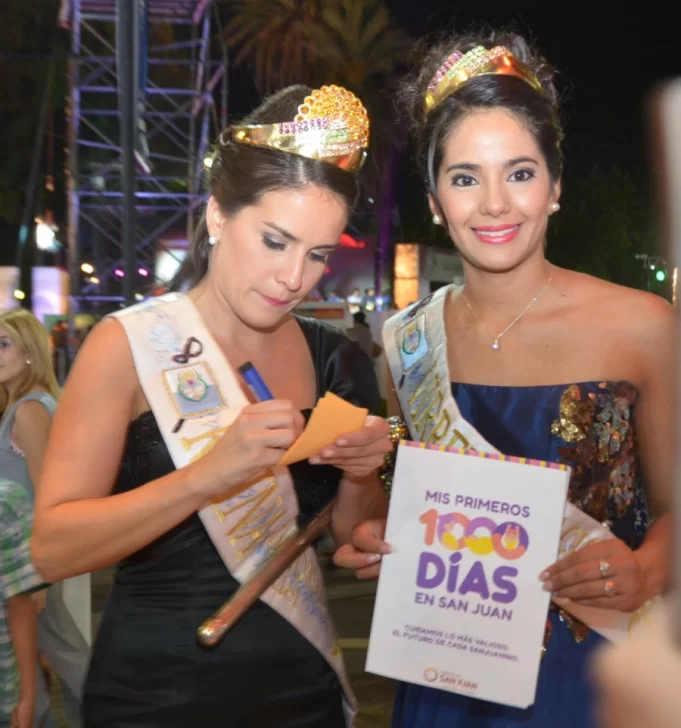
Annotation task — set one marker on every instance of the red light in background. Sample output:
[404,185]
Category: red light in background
[347,241]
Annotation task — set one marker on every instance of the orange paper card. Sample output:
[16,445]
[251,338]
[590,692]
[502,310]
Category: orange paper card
[331,418]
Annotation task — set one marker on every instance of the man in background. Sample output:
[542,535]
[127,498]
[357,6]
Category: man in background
[360,333]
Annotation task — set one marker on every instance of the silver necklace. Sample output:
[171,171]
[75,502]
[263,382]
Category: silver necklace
[496,345]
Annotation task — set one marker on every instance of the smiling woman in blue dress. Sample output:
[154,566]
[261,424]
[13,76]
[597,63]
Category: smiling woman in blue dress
[545,363]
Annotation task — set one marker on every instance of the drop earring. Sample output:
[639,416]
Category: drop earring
[437,220]
[212,240]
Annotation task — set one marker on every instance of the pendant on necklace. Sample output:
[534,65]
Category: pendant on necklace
[496,345]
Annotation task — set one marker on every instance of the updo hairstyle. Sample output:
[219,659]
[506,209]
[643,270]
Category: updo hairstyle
[240,174]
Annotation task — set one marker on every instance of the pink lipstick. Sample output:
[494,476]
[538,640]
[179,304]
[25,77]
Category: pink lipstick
[275,302]
[497,234]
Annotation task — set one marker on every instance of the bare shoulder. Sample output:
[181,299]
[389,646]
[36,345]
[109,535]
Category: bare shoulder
[104,365]
[107,333]
[108,343]
[630,333]
[643,315]
[652,317]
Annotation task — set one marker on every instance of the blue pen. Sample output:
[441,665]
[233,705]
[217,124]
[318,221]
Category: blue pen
[255,382]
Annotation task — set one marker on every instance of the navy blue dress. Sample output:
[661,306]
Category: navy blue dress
[589,426]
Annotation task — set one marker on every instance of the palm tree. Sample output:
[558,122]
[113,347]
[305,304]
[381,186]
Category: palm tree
[353,43]
[358,42]
[271,36]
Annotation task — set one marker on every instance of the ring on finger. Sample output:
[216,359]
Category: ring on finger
[609,588]
[604,566]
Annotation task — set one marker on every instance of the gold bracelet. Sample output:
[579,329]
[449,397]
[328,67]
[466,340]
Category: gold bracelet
[398,432]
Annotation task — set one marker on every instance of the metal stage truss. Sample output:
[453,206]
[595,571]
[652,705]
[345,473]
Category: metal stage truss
[181,117]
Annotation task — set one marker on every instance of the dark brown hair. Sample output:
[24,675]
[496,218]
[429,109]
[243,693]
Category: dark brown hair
[538,110]
[241,174]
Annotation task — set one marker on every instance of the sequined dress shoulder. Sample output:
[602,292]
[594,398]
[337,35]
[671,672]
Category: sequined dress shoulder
[589,426]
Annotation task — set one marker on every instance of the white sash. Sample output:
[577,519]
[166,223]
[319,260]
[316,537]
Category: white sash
[415,343]
[195,396]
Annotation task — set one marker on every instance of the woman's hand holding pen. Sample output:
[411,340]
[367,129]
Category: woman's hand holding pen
[256,440]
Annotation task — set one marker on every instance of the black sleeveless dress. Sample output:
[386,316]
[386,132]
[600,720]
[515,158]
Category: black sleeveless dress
[147,668]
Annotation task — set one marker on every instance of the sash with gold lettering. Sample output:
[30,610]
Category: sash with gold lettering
[195,396]
[415,343]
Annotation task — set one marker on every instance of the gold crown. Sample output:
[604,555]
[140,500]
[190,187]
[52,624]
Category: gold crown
[460,68]
[331,125]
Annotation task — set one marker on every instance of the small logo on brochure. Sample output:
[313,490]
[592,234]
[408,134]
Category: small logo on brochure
[451,679]
[430,674]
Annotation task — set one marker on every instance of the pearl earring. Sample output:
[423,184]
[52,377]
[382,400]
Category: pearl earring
[437,220]
[212,240]
[555,207]
[28,361]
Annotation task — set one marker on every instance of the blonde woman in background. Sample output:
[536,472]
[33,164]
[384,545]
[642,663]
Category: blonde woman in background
[28,398]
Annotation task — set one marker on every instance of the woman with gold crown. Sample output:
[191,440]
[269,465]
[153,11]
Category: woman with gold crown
[160,462]
[533,361]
